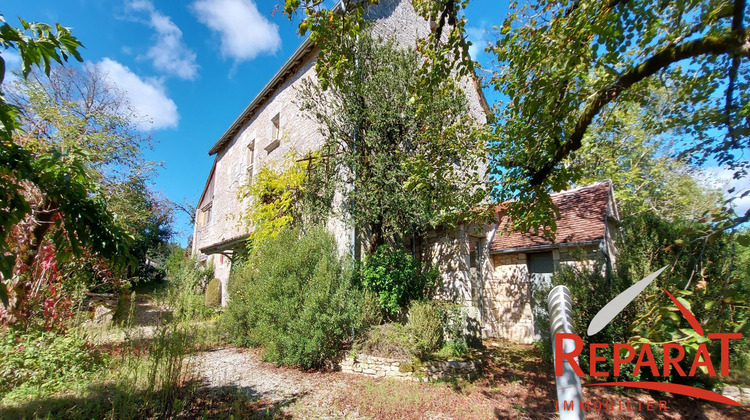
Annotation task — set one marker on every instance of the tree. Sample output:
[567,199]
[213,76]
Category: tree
[606,56]
[81,110]
[445,49]
[629,148]
[405,162]
[45,190]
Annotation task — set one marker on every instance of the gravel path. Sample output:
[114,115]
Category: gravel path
[304,395]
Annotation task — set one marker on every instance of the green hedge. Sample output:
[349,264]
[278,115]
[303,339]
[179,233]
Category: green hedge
[396,278]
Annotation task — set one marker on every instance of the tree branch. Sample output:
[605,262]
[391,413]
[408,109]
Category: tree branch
[735,43]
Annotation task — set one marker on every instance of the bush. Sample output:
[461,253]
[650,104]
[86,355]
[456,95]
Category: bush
[388,340]
[294,298]
[43,360]
[213,293]
[433,329]
[425,326]
[396,278]
[455,322]
[186,283]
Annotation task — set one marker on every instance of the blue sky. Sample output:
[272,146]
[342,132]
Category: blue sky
[191,67]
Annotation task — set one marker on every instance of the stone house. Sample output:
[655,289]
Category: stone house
[272,125]
[491,269]
[483,268]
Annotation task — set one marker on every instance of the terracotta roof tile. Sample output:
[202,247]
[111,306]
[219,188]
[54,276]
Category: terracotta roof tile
[583,213]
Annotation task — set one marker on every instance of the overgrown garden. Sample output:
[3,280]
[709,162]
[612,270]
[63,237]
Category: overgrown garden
[644,93]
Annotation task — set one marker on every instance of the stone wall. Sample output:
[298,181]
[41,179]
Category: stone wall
[381,367]
[739,394]
[508,293]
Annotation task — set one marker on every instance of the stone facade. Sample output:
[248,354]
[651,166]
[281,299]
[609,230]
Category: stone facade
[381,367]
[509,312]
[218,223]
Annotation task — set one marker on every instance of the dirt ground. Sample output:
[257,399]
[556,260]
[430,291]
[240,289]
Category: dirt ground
[515,384]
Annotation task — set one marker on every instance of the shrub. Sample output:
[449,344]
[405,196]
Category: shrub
[425,326]
[213,293]
[186,283]
[387,340]
[294,298]
[396,278]
[455,322]
[43,360]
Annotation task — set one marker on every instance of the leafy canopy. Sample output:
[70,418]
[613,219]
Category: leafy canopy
[59,175]
[607,55]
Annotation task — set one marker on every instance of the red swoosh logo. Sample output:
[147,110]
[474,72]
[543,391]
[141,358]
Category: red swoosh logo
[663,386]
[686,313]
[674,389]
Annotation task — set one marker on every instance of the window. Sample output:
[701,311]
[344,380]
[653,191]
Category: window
[275,134]
[250,162]
[206,215]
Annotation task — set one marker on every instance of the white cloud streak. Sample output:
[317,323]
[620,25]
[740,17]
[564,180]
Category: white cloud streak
[147,97]
[169,54]
[244,32]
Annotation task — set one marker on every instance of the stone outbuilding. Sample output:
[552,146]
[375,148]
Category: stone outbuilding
[492,269]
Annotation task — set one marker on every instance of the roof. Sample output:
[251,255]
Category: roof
[225,245]
[290,67]
[583,219]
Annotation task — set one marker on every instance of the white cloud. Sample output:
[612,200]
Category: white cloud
[147,97]
[724,180]
[245,33]
[478,38]
[169,54]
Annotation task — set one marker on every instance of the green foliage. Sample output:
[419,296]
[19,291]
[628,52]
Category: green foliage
[612,56]
[390,340]
[432,329]
[455,323]
[283,196]
[38,360]
[396,278]
[407,158]
[629,150]
[425,325]
[705,277]
[213,293]
[294,298]
[186,285]
[36,49]
[59,150]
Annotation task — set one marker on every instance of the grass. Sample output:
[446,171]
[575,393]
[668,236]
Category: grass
[145,375]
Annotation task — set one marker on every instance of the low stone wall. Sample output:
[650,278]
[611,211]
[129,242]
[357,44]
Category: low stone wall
[381,367]
[741,395]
